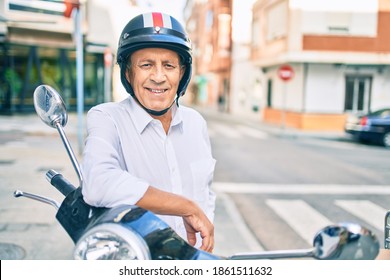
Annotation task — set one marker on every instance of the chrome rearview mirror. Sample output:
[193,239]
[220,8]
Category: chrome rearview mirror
[345,241]
[51,109]
[49,106]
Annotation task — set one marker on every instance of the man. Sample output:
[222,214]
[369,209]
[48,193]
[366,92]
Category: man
[147,150]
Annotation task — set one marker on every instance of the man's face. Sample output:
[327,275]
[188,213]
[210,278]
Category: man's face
[154,74]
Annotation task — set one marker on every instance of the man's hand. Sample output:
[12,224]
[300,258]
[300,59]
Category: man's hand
[195,220]
[200,223]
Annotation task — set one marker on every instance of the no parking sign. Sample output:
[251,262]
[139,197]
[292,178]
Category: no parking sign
[285,72]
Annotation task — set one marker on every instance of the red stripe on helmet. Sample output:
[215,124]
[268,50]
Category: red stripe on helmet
[158,20]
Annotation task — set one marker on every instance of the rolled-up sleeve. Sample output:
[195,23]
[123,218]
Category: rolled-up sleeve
[106,181]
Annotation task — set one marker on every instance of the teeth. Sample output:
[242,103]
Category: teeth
[157,90]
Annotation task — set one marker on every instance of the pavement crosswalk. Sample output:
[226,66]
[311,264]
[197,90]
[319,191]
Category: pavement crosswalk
[235,131]
[300,216]
[301,213]
[366,210]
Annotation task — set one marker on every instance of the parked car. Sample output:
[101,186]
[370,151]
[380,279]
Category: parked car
[372,127]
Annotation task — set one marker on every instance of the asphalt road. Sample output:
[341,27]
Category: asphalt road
[287,185]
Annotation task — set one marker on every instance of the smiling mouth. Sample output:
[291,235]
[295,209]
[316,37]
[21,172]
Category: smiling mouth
[156,91]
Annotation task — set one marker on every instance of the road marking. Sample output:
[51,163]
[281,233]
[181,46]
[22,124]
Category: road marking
[244,232]
[365,210]
[226,131]
[300,189]
[255,133]
[236,132]
[300,216]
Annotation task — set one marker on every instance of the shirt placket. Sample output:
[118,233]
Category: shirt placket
[174,175]
[173,167]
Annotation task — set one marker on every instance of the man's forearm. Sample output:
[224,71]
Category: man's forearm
[165,203]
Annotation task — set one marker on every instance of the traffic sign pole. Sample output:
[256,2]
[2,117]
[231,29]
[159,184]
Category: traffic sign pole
[285,73]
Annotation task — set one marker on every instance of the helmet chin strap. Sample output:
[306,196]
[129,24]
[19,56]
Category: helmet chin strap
[154,112]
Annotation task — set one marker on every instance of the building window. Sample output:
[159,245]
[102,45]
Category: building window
[48,7]
[23,68]
[224,24]
[347,17]
[277,17]
[357,94]
[209,20]
[256,35]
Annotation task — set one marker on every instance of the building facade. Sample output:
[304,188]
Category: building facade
[339,52]
[38,46]
[209,27]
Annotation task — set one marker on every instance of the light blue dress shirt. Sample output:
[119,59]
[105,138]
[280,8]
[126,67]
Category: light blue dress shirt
[127,151]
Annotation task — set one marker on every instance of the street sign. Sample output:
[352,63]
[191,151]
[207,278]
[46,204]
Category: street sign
[69,6]
[286,72]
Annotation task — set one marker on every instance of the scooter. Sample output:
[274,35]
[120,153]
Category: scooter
[132,233]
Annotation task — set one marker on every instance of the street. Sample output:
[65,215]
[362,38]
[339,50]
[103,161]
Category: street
[275,187]
[287,185]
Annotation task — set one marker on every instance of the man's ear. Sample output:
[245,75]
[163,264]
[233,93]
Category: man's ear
[128,74]
[182,71]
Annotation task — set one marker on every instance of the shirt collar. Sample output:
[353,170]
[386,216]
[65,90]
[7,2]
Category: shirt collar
[177,119]
[142,119]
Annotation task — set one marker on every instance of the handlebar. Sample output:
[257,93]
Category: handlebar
[59,182]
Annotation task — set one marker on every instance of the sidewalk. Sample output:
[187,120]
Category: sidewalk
[276,130]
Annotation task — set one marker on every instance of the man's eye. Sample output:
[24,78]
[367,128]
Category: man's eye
[170,66]
[146,65]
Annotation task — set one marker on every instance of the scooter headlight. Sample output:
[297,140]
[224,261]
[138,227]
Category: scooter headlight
[111,242]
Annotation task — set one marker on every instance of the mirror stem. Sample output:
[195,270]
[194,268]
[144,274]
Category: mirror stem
[282,254]
[71,154]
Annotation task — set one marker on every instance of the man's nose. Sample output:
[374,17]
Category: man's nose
[158,75]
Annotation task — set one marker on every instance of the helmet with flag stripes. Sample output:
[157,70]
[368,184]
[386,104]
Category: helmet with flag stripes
[155,30]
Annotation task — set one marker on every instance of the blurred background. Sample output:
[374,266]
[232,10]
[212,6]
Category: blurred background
[296,95]
[338,54]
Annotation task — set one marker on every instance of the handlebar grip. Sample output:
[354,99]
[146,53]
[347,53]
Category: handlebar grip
[59,182]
